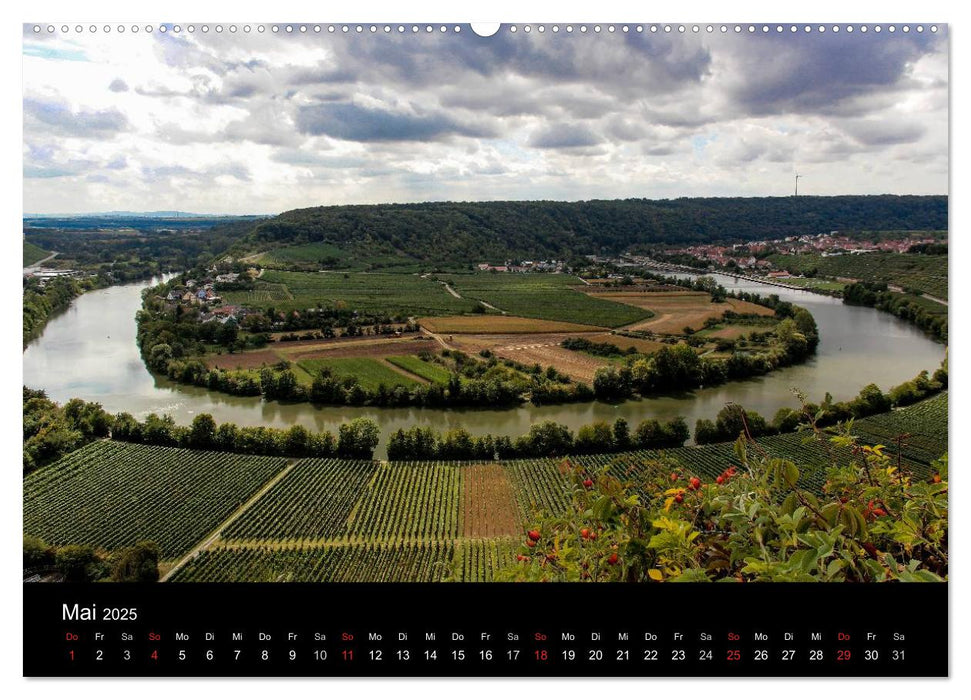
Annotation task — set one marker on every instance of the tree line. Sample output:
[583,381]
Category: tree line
[547,439]
[462,232]
[51,431]
[926,315]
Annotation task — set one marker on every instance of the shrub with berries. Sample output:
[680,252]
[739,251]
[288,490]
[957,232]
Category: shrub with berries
[872,521]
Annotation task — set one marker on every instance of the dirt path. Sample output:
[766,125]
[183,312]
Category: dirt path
[451,291]
[401,370]
[439,339]
[900,290]
[36,265]
[217,533]
[490,306]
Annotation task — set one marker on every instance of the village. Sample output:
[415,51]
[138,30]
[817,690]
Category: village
[751,256]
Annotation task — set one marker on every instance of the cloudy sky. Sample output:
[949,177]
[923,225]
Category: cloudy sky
[260,123]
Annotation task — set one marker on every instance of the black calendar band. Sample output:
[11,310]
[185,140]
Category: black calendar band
[428,630]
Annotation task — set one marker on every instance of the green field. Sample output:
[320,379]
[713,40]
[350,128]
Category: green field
[394,294]
[417,366]
[320,254]
[114,494]
[370,373]
[546,296]
[33,254]
[927,273]
[263,292]
[813,283]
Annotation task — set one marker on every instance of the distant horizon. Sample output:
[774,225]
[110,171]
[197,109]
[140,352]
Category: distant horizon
[165,214]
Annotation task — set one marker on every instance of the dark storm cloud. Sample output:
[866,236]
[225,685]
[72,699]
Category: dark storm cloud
[882,132]
[56,117]
[563,136]
[118,85]
[351,122]
[817,73]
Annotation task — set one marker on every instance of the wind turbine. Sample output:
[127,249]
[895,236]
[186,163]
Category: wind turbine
[797,184]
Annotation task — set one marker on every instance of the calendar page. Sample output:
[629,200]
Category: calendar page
[515,350]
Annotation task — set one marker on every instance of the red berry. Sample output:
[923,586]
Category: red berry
[612,559]
[674,477]
[695,482]
[520,557]
[587,483]
[533,535]
[679,498]
[879,512]
[936,479]
[720,480]
[584,533]
[530,543]
[593,535]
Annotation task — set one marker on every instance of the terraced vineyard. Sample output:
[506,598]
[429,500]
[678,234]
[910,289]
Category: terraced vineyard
[342,520]
[114,494]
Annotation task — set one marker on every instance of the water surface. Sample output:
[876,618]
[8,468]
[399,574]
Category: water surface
[89,351]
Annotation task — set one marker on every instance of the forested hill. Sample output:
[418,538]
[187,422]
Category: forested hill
[494,231]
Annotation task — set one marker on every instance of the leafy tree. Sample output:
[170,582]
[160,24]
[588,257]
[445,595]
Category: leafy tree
[138,564]
[358,438]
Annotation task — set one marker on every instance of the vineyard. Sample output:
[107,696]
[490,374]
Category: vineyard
[407,501]
[312,501]
[365,563]
[344,520]
[262,292]
[113,494]
[924,424]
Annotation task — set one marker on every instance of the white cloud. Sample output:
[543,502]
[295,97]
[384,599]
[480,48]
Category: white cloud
[262,123]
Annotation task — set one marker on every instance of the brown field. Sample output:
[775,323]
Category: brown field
[368,346]
[488,503]
[729,332]
[623,342]
[491,323]
[676,310]
[747,307]
[373,347]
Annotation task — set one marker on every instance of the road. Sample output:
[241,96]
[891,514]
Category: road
[895,288]
[36,266]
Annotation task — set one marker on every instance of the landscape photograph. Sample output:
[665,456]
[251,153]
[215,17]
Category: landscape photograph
[565,303]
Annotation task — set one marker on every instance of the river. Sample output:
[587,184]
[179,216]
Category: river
[89,351]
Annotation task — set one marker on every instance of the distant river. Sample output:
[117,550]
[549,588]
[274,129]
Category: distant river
[89,351]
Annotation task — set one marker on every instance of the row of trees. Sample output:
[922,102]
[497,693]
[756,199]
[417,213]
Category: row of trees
[545,439]
[51,431]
